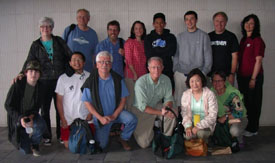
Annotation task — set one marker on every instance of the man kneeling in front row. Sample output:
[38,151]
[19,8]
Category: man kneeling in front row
[153,93]
[23,102]
[69,104]
[104,94]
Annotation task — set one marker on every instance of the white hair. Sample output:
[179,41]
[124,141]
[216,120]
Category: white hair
[156,59]
[46,20]
[104,54]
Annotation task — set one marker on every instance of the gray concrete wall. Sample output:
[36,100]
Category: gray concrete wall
[19,27]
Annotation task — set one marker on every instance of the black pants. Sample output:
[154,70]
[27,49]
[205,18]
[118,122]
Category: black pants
[48,95]
[252,100]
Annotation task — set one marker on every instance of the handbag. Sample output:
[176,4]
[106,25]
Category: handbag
[222,137]
[168,146]
[195,147]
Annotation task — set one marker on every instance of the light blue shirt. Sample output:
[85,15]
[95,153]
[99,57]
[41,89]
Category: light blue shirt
[107,45]
[106,94]
[84,42]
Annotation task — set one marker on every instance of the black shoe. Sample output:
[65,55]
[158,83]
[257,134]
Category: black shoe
[47,142]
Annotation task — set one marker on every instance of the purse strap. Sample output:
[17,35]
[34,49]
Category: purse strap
[162,121]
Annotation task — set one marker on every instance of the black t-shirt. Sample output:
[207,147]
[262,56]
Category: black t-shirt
[28,100]
[223,45]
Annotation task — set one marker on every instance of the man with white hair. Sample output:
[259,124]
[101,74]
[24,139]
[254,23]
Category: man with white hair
[153,93]
[104,94]
[82,38]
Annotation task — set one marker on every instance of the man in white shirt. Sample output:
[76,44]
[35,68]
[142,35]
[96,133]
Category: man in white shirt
[69,104]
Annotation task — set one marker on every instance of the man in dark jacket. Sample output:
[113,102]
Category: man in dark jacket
[22,104]
[161,43]
[104,94]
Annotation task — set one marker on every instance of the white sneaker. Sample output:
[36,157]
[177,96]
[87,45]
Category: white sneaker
[35,151]
[249,134]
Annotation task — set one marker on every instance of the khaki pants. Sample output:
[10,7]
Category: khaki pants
[130,84]
[180,86]
[201,134]
[144,131]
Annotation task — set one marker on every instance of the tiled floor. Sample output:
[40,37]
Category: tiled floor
[260,148]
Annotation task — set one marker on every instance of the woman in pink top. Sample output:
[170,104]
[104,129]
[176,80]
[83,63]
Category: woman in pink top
[250,73]
[135,59]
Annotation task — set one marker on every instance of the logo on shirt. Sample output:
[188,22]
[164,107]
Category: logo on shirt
[247,45]
[219,43]
[81,40]
[71,87]
[159,43]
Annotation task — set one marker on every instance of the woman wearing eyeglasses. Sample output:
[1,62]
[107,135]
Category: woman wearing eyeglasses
[53,55]
[230,105]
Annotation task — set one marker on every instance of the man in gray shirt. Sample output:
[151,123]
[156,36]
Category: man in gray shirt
[193,51]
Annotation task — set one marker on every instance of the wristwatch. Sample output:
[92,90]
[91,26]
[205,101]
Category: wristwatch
[226,116]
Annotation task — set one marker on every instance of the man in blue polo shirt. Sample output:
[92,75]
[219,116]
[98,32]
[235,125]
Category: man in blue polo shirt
[104,94]
[113,45]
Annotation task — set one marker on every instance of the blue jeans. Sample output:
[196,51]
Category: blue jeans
[39,127]
[125,117]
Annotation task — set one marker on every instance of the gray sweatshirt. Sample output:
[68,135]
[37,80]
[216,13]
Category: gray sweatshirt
[193,51]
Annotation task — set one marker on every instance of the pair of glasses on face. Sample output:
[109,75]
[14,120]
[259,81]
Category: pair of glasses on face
[46,26]
[217,81]
[104,62]
[156,67]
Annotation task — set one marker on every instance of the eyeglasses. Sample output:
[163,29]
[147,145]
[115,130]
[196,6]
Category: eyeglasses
[217,81]
[77,60]
[106,62]
[155,67]
[45,26]
[82,76]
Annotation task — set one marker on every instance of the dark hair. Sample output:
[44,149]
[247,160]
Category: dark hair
[132,33]
[191,13]
[220,73]
[193,72]
[159,15]
[113,22]
[256,30]
[223,14]
[78,53]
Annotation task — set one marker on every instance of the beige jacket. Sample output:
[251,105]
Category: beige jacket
[210,109]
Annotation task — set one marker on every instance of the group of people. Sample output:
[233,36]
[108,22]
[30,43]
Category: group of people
[132,82]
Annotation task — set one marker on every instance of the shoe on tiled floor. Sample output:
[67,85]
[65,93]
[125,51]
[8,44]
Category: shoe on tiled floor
[249,134]
[47,142]
[35,150]
[125,145]
[61,141]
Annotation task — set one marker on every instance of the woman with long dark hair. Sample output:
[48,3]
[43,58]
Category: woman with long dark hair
[135,59]
[250,73]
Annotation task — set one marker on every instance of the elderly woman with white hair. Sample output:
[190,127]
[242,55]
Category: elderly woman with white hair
[53,54]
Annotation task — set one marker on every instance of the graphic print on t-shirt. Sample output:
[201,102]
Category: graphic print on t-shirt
[81,40]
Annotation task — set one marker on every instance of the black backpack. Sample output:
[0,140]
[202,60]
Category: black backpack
[81,139]
[72,27]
